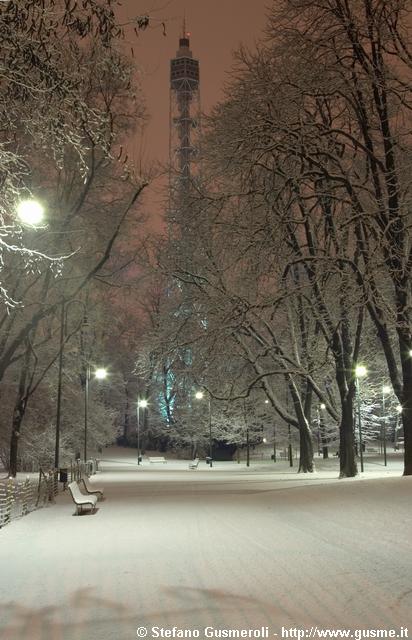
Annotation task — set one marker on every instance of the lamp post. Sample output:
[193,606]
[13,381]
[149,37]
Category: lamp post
[399,411]
[274,438]
[86,407]
[385,391]
[63,339]
[199,396]
[100,374]
[323,439]
[318,421]
[290,451]
[86,353]
[140,403]
[360,372]
[59,390]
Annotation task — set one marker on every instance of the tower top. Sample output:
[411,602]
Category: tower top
[184,41]
[184,68]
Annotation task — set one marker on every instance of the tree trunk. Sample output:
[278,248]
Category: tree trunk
[407,411]
[306,450]
[14,445]
[18,414]
[348,466]
[407,432]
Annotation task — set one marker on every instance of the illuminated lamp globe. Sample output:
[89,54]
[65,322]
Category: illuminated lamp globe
[30,212]
[100,373]
[361,371]
[143,404]
[199,395]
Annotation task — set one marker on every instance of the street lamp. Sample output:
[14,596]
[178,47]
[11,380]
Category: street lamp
[322,440]
[385,391]
[360,372]
[399,410]
[63,339]
[273,456]
[140,403]
[199,396]
[30,212]
[100,374]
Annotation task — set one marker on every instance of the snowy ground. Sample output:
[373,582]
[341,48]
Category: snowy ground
[228,548]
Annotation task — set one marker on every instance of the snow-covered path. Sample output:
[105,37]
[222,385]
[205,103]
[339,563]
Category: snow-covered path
[170,547]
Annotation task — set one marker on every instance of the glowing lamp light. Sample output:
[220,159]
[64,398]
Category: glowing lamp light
[399,408]
[100,373]
[199,395]
[143,404]
[322,406]
[361,371]
[386,389]
[30,212]
[266,401]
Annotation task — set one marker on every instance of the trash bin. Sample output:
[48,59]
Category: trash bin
[208,460]
[63,475]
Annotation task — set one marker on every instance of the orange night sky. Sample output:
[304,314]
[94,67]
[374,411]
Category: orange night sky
[217,27]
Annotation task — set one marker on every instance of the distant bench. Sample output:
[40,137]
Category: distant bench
[194,464]
[158,459]
[92,489]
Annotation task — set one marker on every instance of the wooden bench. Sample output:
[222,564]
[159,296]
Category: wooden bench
[194,464]
[158,459]
[80,500]
[92,489]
